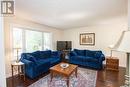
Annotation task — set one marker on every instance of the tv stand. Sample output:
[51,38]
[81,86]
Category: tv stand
[64,55]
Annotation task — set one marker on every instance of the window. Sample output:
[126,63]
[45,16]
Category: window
[33,40]
[47,41]
[28,41]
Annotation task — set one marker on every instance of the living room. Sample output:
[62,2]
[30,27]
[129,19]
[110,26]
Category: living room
[92,27]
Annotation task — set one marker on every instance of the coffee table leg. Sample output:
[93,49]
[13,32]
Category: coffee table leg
[76,72]
[67,81]
[51,75]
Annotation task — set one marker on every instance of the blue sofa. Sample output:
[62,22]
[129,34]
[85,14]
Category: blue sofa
[87,58]
[39,62]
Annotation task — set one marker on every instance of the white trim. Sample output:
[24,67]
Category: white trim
[2,55]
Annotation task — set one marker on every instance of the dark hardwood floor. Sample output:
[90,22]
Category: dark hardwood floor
[105,78]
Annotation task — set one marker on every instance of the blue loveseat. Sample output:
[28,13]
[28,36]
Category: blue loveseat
[39,62]
[87,58]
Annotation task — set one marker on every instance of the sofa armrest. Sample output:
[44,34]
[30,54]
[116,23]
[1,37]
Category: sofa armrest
[101,58]
[99,55]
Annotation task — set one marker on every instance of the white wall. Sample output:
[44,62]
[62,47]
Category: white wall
[128,13]
[105,35]
[129,29]
[9,21]
[2,56]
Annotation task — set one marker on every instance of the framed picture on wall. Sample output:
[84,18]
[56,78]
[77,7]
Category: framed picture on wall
[87,39]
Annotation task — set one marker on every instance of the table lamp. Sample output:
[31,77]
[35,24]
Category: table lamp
[111,48]
[17,50]
[123,45]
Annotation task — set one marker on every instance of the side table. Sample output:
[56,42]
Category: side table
[20,68]
[112,63]
[65,56]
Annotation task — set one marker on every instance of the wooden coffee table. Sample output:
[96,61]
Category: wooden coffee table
[57,69]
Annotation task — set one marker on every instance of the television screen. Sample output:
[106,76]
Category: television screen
[68,45]
[64,45]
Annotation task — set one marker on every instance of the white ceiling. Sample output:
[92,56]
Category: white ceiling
[65,14]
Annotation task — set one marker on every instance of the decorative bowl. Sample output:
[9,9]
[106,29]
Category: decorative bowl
[64,65]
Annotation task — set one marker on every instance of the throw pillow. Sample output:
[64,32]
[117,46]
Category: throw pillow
[55,54]
[31,58]
[73,53]
[89,53]
[45,54]
[36,54]
[80,52]
[97,54]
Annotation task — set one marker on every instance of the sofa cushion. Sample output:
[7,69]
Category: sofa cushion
[80,52]
[36,54]
[45,54]
[55,54]
[41,62]
[90,59]
[53,61]
[73,53]
[30,57]
[80,57]
[77,58]
[89,53]
[84,59]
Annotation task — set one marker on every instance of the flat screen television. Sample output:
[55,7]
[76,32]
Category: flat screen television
[64,45]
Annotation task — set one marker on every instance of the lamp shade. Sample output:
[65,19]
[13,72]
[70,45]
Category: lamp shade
[111,46]
[124,42]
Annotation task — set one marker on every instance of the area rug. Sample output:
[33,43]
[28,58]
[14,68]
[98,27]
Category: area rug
[85,78]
